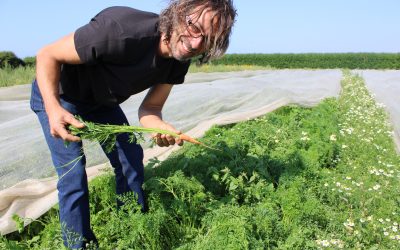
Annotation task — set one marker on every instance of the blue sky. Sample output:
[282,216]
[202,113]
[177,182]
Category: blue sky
[263,26]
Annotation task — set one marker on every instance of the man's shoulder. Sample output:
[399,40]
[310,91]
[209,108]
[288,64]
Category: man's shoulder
[123,12]
[132,22]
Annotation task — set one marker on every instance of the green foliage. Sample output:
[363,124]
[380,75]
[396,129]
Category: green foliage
[315,60]
[30,61]
[10,59]
[10,76]
[297,178]
[19,222]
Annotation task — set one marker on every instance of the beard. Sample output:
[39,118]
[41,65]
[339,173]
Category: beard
[181,48]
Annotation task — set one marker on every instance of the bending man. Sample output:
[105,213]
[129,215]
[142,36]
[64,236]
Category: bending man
[119,53]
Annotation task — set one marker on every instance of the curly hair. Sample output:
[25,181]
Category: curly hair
[217,43]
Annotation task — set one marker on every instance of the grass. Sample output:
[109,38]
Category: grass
[25,75]
[17,76]
[208,68]
[297,178]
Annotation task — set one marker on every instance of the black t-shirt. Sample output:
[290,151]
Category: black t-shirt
[118,48]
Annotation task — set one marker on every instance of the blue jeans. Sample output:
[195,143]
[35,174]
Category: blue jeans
[126,159]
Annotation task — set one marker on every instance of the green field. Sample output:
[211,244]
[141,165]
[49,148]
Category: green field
[325,177]
[233,62]
[316,60]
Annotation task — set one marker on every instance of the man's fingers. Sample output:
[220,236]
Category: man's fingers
[164,140]
[177,139]
[64,134]
[72,138]
[159,141]
[74,122]
[170,139]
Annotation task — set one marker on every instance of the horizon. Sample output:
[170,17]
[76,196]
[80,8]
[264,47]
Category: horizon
[286,27]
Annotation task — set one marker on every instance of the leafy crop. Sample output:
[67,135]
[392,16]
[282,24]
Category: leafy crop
[315,60]
[297,178]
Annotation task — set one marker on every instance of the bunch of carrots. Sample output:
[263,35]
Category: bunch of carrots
[106,134]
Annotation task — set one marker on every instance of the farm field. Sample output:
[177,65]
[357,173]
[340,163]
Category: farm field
[297,178]
[12,74]
[25,154]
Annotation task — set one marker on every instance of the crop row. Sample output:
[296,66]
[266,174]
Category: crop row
[297,178]
[316,60]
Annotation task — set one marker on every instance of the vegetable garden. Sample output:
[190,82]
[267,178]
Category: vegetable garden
[297,178]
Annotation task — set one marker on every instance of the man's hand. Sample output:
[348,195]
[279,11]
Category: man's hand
[164,140]
[150,115]
[59,119]
[48,65]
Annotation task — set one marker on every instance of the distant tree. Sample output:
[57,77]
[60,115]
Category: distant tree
[30,61]
[9,58]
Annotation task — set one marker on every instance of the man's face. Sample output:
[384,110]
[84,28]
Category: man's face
[188,39]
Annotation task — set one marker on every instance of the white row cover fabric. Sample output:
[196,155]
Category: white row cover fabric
[204,100]
[385,86]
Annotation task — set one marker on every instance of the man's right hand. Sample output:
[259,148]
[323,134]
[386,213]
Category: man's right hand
[48,65]
[59,120]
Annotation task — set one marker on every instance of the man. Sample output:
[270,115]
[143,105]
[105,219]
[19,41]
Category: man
[120,52]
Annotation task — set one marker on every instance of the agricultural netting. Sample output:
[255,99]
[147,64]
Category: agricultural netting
[204,100]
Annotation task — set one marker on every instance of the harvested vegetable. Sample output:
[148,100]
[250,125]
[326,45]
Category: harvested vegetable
[106,134]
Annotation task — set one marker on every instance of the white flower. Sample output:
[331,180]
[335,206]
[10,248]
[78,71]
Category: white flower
[349,223]
[376,187]
[325,243]
[332,137]
[349,131]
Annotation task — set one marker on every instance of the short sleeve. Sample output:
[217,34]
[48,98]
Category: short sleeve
[99,40]
[178,72]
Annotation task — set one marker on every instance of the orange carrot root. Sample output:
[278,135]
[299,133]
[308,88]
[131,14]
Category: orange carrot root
[187,138]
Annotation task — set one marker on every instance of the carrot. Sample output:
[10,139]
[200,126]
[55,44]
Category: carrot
[106,133]
[187,138]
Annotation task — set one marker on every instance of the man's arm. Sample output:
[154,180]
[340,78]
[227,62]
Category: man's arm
[48,67]
[150,115]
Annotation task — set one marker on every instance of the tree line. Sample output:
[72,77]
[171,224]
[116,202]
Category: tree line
[280,61]
[9,59]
